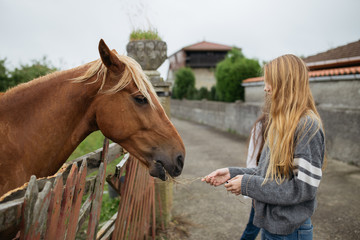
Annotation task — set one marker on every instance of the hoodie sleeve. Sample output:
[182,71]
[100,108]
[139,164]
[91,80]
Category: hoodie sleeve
[307,173]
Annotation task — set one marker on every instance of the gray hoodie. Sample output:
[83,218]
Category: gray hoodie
[282,208]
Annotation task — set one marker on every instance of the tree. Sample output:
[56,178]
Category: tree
[184,86]
[4,76]
[231,72]
[24,73]
[28,72]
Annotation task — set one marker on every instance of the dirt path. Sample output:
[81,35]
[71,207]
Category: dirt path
[219,215]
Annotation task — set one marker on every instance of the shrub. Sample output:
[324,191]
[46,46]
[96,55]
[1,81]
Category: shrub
[231,72]
[202,93]
[212,94]
[184,86]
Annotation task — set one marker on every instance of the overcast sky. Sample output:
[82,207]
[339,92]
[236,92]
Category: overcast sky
[68,31]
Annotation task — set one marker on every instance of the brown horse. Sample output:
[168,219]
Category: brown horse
[43,121]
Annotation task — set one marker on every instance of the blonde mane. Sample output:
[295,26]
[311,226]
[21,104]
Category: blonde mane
[133,71]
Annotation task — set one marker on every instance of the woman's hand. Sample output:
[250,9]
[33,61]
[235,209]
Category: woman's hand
[217,177]
[234,185]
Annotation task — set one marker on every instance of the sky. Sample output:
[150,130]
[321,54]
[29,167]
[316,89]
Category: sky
[67,32]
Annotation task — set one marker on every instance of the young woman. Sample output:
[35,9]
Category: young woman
[285,183]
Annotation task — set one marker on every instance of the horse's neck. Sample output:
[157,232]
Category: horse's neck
[51,115]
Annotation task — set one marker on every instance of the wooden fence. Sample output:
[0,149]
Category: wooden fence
[53,208]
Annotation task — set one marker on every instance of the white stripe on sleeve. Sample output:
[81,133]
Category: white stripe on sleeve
[306,165]
[300,162]
[307,179]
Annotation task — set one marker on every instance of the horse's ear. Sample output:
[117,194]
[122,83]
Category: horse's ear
[110,60]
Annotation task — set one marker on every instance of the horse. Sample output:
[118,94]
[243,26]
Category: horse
[44,120]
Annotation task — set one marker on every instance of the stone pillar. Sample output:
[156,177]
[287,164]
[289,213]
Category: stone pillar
[150,54]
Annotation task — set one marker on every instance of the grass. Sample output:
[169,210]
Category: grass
[140,34]
[91,143]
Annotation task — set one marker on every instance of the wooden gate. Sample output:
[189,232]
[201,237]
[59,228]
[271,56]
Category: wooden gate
[58,206]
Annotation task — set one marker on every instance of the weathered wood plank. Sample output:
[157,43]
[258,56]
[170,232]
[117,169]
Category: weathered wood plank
[96,204]
[121,223]
[10,213]
[54,208]
[107,227]
[84,213]
[99,189]
[104,160]
[67,202]
[27,211]
[108,234]
[76,205]
[38,228]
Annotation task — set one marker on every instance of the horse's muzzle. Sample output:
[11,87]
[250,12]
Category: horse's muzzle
[174,169]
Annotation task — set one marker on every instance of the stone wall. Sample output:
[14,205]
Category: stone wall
[342,125]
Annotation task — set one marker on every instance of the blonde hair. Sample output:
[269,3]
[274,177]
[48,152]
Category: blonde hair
[291,99]
[132,71]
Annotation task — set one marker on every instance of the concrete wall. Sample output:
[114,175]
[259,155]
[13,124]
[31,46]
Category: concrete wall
[342,125]
[235,117]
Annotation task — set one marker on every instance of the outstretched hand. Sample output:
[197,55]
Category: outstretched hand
[217,177]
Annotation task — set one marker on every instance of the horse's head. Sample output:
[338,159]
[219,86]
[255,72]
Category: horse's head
[128,112]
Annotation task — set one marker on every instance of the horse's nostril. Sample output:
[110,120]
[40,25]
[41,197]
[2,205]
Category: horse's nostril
[180,161]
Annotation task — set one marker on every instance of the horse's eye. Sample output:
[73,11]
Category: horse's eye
[141,99]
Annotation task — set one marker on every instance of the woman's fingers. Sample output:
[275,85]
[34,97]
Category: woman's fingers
[210,178]
[231,187]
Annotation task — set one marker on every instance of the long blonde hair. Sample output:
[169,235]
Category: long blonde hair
[291,99]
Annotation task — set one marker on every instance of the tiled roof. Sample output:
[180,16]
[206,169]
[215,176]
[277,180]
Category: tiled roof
[350,50]
[319,73]
[207,46]
[335,71]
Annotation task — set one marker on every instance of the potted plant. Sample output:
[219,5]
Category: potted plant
[147,48]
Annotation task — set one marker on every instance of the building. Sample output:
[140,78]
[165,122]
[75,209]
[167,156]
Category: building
[202,57]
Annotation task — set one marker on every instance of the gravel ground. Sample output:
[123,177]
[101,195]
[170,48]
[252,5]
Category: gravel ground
[215,214]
